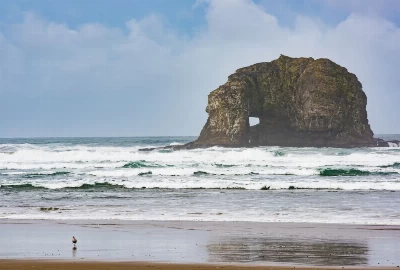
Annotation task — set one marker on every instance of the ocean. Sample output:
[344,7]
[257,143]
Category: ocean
[110,179]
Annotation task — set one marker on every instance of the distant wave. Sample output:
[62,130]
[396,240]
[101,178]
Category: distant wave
[394,165]
[41,175]
[265,187]
[224,165]
[21,187]
[351,172]
[109,178]
[176,143]
[279,153]
[71,157]
[110,186]
[57,166]
[140,164]
[197,173]
[6,149]
[145,173]
[28,187]
[95,186]
[200,173]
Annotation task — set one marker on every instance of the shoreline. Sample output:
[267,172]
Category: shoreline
[77,265]
[160,222]
[115,221]
[227,244]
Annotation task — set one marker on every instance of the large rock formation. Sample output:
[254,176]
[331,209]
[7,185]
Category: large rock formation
[299,102]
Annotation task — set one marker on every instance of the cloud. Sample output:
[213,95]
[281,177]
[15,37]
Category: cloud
[382,7]
[146,79]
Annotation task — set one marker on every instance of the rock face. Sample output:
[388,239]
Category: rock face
[383,143]
[299,102]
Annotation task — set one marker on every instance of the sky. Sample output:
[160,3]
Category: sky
[145,68]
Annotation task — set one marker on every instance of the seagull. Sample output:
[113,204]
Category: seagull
[74,241]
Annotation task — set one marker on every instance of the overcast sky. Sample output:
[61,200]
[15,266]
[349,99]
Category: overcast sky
[145,68]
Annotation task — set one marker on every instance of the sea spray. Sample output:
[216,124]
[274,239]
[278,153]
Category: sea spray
[393,144]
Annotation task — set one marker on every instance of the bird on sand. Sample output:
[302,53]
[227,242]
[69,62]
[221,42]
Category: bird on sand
[74,241]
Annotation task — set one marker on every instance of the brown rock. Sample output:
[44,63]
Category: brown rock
[300,102]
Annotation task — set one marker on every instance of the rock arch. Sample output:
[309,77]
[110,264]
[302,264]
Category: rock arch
[299,101]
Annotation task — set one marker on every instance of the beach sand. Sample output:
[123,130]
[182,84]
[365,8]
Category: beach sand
[195,245]
[46,265]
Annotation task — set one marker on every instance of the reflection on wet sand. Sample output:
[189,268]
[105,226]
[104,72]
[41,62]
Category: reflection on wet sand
[320,252]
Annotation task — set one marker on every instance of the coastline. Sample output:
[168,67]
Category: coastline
[118,244]
[67,265]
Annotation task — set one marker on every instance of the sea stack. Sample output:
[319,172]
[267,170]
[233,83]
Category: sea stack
[300,102]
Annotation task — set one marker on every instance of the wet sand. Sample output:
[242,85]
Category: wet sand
[47,265]
[200,245]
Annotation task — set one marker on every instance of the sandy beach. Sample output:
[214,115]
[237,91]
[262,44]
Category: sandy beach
[44,265]
[203,245]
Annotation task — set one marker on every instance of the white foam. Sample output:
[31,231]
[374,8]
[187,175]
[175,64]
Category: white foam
[221,182]
[30,157]
[13,173]
[208,215]
[250,168]
[175,143]
[392,144]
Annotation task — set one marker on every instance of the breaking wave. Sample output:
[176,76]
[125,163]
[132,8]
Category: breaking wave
[394,165]
[221,184]
[351,172]
[41,175]
[200,173]
[113,187]
[72,165]
[224,165]
[23,187]
[140,164]
[109,178]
